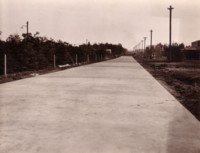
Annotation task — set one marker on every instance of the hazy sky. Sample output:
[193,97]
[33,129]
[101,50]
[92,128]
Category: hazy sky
[114,21]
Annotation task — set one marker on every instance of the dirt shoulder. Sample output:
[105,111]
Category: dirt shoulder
[181,79]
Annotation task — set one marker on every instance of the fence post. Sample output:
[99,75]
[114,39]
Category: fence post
[5,65]
[88,59]
[54,61]
[76,59]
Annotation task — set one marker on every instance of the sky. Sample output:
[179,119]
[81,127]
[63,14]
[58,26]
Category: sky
[101,21]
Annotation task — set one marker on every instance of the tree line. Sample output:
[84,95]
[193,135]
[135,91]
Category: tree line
[35,52]
[158,51]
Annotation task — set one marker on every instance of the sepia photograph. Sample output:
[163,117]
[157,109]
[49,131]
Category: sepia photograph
[99,76]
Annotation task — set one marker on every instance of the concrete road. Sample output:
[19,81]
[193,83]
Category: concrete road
[109,107]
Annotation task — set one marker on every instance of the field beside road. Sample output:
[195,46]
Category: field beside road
[182,79]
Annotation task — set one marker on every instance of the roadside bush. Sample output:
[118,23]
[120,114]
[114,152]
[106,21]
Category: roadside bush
[36,53]
[176,53]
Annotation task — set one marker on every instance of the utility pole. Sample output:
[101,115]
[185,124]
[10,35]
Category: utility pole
[142,46]
[170,32]
[27,24]
[87,44]
[151,31]
[27,28]
[145,46]
[5,65]
[138,46]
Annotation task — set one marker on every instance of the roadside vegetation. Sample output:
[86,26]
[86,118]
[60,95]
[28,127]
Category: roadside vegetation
[36,54]
[180,76]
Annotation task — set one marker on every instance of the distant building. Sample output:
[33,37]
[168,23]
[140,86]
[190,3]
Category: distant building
[196,44]
[193,52]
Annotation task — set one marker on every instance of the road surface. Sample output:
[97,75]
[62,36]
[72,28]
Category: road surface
[110,107]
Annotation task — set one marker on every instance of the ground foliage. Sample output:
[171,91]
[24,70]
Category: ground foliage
[181,78]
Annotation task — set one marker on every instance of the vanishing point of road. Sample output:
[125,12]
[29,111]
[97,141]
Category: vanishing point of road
[109,107]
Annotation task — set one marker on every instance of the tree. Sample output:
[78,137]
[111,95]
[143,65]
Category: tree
[15,38]
[38,52]
[176,53]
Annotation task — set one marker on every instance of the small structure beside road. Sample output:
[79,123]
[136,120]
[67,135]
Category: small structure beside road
[192,52]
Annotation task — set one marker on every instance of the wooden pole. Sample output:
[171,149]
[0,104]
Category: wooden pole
[54,60]
[170,32]
[5,65]
[76,59]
